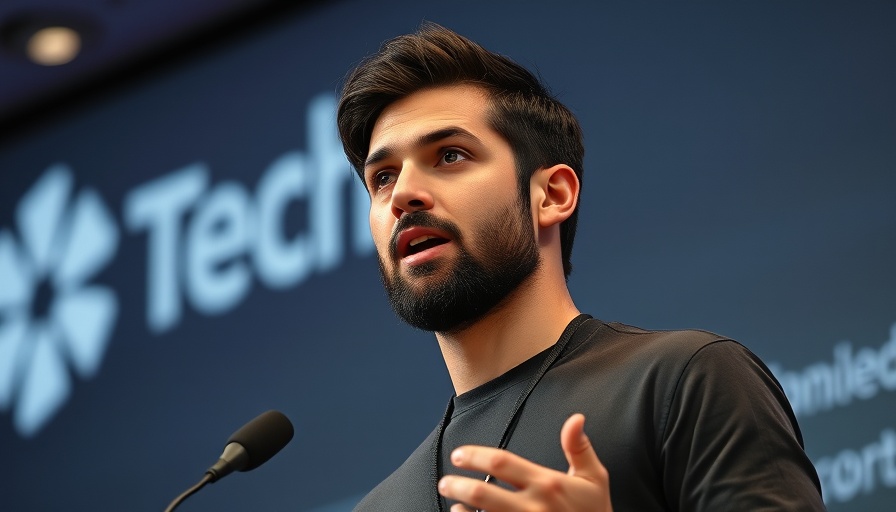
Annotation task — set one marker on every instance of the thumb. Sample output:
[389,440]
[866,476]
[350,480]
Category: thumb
[583,462]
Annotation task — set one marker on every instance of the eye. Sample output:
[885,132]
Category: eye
[451,156]
[381,180]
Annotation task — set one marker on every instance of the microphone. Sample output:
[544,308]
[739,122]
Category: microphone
[249,447]
[253,444]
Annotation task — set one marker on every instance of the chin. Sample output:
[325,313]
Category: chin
[426,269]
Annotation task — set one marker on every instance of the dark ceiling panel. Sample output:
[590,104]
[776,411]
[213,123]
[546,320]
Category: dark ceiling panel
[118,36]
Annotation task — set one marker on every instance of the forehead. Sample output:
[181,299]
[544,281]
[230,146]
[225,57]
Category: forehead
[464,106]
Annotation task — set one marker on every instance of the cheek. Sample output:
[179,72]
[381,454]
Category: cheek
[380,230]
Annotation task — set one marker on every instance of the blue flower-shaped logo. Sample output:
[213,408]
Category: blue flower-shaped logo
[51,318]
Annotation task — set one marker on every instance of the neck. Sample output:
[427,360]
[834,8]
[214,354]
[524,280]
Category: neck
[528,321]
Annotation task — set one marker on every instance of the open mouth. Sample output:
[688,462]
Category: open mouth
[422,243]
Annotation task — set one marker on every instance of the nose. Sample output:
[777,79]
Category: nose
[410,192]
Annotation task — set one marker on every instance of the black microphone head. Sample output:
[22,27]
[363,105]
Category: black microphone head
[263,437]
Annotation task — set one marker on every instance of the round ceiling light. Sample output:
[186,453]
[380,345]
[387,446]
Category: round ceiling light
[53,46]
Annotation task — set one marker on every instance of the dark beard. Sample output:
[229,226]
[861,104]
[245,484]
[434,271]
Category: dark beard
[471,288]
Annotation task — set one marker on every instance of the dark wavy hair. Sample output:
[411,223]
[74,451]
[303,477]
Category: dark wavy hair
[540,130]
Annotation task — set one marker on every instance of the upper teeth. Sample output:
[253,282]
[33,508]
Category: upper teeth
[420,239]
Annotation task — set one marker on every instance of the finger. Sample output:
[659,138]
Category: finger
[479,494]
[458,507]
[501,464]
[583,462]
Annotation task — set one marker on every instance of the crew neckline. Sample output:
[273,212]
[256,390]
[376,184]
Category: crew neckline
[495,387]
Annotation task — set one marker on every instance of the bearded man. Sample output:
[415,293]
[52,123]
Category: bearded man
[474,172]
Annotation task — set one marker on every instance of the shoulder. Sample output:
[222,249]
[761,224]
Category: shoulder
[683,341]
[669,351]
[409,487]
[691,360]
[671,370]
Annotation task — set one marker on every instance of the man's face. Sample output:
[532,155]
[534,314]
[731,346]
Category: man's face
[452,233]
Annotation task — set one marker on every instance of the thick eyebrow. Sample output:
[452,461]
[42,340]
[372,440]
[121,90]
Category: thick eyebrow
[424,140]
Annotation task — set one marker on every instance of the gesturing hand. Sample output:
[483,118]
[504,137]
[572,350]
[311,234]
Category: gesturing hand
[586,486]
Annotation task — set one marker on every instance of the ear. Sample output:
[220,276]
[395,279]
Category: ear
[555,193]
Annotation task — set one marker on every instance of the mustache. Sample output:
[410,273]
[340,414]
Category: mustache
[420,219]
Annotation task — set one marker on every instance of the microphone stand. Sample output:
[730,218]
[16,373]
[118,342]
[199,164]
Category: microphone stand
[208,477]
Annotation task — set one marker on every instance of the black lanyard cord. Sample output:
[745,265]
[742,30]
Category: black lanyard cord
[549,361]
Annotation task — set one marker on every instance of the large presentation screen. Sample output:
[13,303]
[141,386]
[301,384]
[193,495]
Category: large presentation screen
[191,248]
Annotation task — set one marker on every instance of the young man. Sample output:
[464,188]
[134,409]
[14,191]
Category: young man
[474,173]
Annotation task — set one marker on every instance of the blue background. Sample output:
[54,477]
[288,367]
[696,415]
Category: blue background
[739,178]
